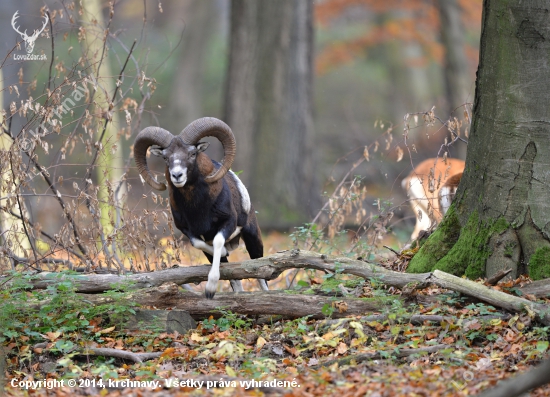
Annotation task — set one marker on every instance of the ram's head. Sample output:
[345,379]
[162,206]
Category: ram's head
[180,152]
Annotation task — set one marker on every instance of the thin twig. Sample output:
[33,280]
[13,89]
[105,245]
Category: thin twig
[125,355]
[69,250]
[497,277]
[19,204]
[96,153]
[391,249]
[344,179]
[43,259]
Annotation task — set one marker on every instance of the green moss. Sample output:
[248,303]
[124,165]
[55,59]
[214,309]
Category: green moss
[509,250]
[469,255]
[539,264]
[437,246]
[457,251]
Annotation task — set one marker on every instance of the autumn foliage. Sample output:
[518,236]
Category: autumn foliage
[413,21]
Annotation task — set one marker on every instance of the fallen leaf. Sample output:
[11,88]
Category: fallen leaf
[52,336]
[342,348]
[106,330]
[168,352]
[230,371]
[260,343]
[196,337]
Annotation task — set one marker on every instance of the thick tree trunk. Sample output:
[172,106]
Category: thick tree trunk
[268,105]
[503,201]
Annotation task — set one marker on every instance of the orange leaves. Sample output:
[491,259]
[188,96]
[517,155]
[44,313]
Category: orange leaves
[383,21]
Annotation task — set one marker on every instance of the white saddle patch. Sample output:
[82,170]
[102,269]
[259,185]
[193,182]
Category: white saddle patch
[245,198]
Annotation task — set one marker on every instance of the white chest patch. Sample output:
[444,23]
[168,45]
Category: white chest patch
[245,198]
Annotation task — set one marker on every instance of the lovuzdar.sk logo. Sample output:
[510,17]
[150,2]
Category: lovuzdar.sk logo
[29,40]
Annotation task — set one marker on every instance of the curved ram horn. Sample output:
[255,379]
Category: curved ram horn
[146,138]
[210,126]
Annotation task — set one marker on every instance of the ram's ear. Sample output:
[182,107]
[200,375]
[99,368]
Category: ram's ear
[202,146]
[156,151]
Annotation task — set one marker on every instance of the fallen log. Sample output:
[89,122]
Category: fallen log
[257,303]
[520,384]
[540,288]
[268,268]
[271,267]
[491,296]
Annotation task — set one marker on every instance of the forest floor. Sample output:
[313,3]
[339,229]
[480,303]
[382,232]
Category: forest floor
[455,346]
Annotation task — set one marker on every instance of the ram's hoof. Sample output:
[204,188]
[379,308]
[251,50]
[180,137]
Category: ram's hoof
[209,294]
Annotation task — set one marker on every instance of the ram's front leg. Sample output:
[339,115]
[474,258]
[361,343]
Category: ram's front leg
[214,274]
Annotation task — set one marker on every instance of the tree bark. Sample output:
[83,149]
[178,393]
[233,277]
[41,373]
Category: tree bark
[502,205]
[268,104]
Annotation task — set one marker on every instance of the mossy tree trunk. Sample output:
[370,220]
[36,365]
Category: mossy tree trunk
[501,214]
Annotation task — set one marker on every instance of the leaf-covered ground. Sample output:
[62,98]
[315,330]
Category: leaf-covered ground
[481,349]
[474,346]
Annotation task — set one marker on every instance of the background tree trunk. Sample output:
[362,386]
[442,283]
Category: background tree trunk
[110,165]
[201,22]
[11,228]
[503,201]
[457,79]
[455,71]
[9,76]
[268,104]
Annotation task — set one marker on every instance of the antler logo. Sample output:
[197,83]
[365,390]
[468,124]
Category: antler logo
[29,40]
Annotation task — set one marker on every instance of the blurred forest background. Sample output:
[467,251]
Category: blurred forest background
[316,92]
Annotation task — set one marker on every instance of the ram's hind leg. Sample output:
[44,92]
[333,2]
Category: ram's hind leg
[254,245]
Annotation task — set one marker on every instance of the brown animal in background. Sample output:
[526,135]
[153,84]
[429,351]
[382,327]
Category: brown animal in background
[431,187]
